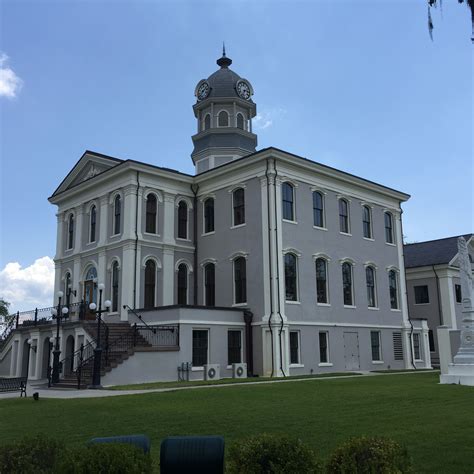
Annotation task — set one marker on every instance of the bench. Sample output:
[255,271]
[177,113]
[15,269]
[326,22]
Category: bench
[13,384]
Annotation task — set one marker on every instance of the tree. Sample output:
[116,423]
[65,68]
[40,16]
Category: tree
[4,307]
[434,4]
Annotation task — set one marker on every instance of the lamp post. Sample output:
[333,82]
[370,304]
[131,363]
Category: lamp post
[98,347]
[56,313]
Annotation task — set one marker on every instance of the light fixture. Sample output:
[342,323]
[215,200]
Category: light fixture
[101,287]
[92,306]
[65,310]
[60,294]
[108,304]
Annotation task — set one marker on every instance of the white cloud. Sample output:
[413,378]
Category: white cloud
[10,83]
[29,287]
[266,117]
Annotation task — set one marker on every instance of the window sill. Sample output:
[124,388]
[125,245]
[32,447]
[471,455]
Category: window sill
[348,306]
[91,243]
[292,302]
[373,308]
[112,313]
[323,304]
[296,366]
[345,233]
[378,362]
[320,228]
[369,239]
[114,235]
[197,369]
[391,245]
[325,364]
[154,234]
[238,226]
[208,233]
[290,222]
[239,305]
[422,304]
[396,310]
[419,360]
[183,239]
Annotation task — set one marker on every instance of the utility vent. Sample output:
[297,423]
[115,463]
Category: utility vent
[212,372]
[239,371]
[397,346]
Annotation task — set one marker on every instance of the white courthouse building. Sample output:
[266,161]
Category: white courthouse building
[261,258]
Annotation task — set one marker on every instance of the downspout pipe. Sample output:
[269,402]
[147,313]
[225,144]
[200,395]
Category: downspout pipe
[248,318]
[195,190]
[267,174]
[136,245]
[440,309]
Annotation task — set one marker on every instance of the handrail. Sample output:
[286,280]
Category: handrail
[139,316]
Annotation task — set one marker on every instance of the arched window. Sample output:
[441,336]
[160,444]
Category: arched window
[207,122]
[182,284]
[291,279]
[91,274]
[182,220]
[209,215]
[393,286]
[210,284]
[343,216]
[321,281]
[238,198]
[288,202]
[240,121]
[67,288]
[367,222]
[70,231]
[347,284]
[90,287]
[150,284]
[370,282]
[240,280]
[318,209]
[117,214]
[388,228]
[150,221]
[93,220]
[115,286]
[223,119]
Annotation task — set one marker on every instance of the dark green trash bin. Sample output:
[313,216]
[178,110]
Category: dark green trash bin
[192,454]
[139,441]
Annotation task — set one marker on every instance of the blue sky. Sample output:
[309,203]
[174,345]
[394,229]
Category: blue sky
[357,85]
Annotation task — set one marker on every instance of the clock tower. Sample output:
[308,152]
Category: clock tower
[224,110]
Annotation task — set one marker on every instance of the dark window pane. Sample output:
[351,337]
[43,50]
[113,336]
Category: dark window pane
[318,211]
[115,286]
[388,228]
[200,345]
[370,280]
[93,224]
[182,220]
[207,122]
[291,292]
[70,242]
[294,349]
[240,280]
[321,281]
[347,283]
[367,222]
[421,294]
[209,283]
[234,347]
[239,206]
[343,216]
[209,215]
[117,214]
[151,206]
[416,346]
[182,284]
[287,201]
[392,281]
[240,121]
[457,289]
[431,340]
[323,347]
[223,119]
[375,342]
[150,283]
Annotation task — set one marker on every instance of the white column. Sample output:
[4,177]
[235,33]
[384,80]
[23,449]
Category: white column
[102,271]
[401,267]
[444,348]
[19,359]
[38,356]
[14,357]
[57,279]
[129,212]
[138,273]
[127,279]
[76,279]
[426,344]
[140,213]
[60,244]
[448,308]
[168,276]
[407,348]
[78,230]
[168,218]
[265,248]
[103,220]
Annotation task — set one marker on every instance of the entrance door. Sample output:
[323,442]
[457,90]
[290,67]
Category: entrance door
[351,350]
[89,297]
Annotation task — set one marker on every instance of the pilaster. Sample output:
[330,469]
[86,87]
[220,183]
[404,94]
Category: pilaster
[60,245]
[78,229]
[76,280]
[103,220]
[129,212]
[127,280]
[401,267]
[168,276]
[168,218]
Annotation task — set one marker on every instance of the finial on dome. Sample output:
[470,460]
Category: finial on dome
[224,61]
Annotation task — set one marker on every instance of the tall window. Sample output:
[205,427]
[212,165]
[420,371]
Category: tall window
[240,280]
[182,220]
[388,228]
[287,193]
[323,347]
[421,294]
[375,343]
[67,288]
[200,347]
[207,122]
[393,286]
[367,222]
[223,119]
[417,346]
[150,284]
[238,198]
[344,216]
[115,286]
[234,347]
[150,220]
[457,291]
[318,209]
[240,121]
[321,281]
[294,347]
[347,284]
[70,232]
[370,281]
[117,214]
[209,215]
[291,285]
[93,220]
[182,284]
[431,340]
[210,284]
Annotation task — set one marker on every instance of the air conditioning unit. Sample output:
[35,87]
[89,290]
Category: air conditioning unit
[212,372]
[239,371]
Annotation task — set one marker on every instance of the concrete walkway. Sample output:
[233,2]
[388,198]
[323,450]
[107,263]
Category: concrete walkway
[44,392]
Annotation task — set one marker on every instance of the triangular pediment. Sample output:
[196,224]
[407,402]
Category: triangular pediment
[89,166]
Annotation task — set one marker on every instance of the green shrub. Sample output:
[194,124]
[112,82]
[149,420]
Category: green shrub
[369,456]
[113,458]
[30,455]
[267,453]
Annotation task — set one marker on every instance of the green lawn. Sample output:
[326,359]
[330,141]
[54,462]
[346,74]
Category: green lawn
[435,422]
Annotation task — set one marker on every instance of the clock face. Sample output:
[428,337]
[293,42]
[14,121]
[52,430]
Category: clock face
[243,89]
[203,91]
